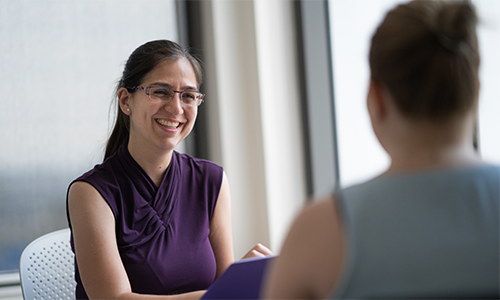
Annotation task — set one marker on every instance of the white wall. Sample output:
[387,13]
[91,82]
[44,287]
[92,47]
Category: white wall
[252,86]
[280,111]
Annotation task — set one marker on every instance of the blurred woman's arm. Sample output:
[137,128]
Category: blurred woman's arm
[311,258]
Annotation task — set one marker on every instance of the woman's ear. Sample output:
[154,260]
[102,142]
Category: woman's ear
[375,101]
[124,100]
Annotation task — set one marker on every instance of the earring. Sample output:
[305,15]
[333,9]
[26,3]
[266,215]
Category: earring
[128,109]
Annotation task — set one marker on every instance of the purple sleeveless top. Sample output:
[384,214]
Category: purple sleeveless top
[162,232]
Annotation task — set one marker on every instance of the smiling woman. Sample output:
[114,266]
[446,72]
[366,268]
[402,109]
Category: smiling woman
[149,220]
[156,127]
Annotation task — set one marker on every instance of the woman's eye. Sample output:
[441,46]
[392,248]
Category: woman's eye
[160,92]
[188,96]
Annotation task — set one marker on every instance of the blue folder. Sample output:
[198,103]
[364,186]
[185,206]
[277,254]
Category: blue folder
[242,280]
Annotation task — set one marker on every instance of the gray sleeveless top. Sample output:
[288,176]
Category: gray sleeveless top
[423,235]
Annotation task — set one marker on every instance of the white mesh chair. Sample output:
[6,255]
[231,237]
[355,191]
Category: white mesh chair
[47,268]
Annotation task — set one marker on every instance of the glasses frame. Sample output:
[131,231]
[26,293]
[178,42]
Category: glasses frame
[198,96]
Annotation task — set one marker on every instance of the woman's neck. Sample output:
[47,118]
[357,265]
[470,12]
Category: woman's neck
[430,145]
[152,160]
[433,158]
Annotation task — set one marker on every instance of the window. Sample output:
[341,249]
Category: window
[489,94]
[60,61]
[352,24]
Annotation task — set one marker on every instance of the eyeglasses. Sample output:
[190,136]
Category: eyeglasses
[160,93]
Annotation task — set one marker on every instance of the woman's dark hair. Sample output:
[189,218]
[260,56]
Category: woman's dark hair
[142,61]
[426,54]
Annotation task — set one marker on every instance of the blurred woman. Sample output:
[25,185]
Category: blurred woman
[429,226]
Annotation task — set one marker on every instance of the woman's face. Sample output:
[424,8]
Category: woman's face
[162,124]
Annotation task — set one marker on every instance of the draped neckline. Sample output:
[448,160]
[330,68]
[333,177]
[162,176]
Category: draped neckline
[158,197]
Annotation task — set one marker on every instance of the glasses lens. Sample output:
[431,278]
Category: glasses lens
[190,98]
[158,93]
[199,98]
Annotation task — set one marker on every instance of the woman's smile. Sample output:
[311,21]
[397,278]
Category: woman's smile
[168,124]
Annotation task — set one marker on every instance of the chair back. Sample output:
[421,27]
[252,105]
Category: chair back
[47,268]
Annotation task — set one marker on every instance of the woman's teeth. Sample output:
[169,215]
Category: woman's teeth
[167,123]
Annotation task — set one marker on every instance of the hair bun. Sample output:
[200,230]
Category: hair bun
[455,23]
[426,53]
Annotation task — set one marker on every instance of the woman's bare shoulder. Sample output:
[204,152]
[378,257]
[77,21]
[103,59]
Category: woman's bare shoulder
[85,203]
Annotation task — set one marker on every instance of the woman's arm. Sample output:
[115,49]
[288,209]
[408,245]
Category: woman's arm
[100,266]
[221,236]
[311,258]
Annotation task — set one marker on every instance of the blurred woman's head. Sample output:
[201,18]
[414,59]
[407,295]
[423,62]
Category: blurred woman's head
[426,54]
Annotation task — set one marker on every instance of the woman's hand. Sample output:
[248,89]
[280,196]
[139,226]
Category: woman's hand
[258,250]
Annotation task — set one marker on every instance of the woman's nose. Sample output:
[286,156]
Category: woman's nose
[174,106]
